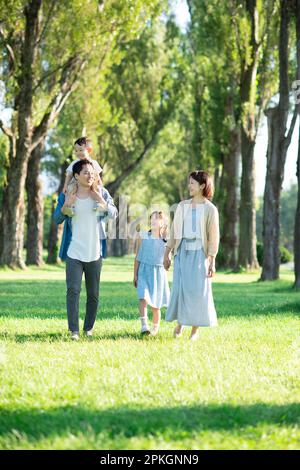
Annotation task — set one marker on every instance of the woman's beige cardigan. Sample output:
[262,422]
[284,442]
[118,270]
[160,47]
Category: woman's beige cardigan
[209,227]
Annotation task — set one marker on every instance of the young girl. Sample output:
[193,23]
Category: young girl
[194,238]
[150,277]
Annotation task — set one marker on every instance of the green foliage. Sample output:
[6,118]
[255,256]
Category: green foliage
[142,91]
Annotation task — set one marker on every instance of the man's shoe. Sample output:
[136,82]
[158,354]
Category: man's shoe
[88,333]
[74,335]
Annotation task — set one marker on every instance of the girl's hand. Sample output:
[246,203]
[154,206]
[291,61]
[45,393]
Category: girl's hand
[135,281]
[167,262]
[164,232]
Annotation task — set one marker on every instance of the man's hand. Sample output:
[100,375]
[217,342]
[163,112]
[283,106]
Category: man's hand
[135,281]
[97,196]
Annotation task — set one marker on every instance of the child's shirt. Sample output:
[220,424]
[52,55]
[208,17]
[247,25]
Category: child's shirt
[152,250]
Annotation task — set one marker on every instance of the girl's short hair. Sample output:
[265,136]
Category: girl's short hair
[202,177]
[160,214]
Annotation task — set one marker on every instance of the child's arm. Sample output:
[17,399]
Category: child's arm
[67,181]
[136,262]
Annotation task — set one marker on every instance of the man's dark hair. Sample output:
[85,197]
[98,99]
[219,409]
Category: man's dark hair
[77,167]
[81,141]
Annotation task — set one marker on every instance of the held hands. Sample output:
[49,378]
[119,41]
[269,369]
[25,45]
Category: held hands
[167,261]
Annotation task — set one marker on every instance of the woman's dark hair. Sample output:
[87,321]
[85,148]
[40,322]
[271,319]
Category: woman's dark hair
[81,141]
[77,167]
[202,177]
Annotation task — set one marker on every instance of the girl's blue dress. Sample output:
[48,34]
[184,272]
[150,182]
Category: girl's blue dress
[152,282]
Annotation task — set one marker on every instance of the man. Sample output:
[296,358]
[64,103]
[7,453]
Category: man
[83,243]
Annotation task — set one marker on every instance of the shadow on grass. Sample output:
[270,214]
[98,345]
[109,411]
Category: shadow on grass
[138,422]
[118,300]
[64,337]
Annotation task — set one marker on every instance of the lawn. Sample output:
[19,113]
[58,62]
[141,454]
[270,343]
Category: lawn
[238,387]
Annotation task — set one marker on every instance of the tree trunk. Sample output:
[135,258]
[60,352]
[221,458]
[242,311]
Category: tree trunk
[271,212]
[13,197]
[247,239]
[56,230]
[297,224]
[35,208]
[297,215]
[278,144]
[13,217]
[230,211]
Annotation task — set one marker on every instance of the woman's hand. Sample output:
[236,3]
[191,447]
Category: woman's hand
[211,267]
[135,281]
[167,261]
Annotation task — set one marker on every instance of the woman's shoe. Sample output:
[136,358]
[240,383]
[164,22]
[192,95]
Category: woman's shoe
[194,336]
[178,331]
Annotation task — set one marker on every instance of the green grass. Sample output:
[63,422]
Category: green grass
[236,388]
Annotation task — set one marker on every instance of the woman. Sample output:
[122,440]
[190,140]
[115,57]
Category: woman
[194,237]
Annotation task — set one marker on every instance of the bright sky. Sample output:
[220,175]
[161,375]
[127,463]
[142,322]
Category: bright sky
[182,18]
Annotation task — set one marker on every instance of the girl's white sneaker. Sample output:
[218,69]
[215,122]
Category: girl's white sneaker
[145,330]
[154,331]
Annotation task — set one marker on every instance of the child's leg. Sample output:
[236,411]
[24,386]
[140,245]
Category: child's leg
[144,316]
[156,320]
[71,189]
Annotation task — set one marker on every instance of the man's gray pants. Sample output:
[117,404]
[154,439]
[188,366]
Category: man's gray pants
[74,272]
